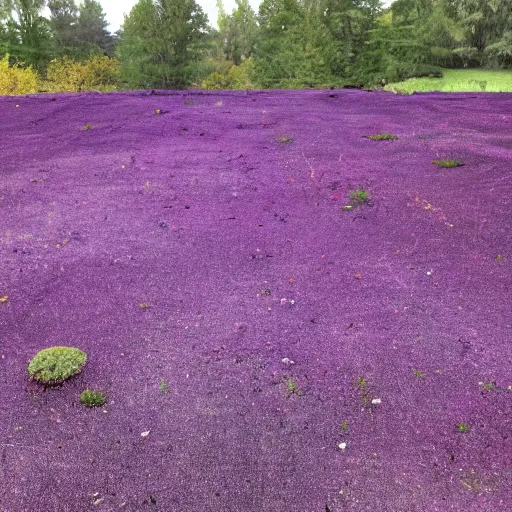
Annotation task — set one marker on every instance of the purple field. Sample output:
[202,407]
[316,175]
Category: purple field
[263,350]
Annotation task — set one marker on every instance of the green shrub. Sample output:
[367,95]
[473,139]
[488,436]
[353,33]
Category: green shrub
[96,73]
[56,364]
[91,398]
[237,77]
[15,80]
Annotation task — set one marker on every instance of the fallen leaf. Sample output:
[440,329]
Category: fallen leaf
[357,276]
[4,299]
[146,433]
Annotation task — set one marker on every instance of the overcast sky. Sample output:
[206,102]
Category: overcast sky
[115,13]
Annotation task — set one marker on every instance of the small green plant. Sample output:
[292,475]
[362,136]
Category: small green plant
[344,425]
[488,386]
[285,139]
[87,127]
[56,364]
[463,427]
[163,386]
[381,136]
[448,164]
[91,398]
[362,383]
[359,196]
[499,258]
[418,374]
[292,387]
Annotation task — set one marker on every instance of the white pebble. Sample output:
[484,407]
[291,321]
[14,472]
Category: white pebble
[342,446]
[376,401]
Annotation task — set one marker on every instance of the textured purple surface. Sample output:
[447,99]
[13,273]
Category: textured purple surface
[201,213]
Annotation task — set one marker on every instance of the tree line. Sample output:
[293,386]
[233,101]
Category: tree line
[287,43]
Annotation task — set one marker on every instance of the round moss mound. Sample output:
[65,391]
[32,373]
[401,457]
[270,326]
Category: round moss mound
[91,398]
[56,364]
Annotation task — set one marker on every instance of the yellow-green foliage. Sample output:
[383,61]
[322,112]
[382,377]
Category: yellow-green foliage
[237,77]
[16,80]
[96,73]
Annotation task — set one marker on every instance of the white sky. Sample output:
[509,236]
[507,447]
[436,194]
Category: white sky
[115,10]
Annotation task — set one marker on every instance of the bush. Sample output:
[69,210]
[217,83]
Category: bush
[96,73]
[16,80]
[56,364]
[237,77]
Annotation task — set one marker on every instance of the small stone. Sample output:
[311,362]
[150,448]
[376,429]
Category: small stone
[342,446]
[376,401]
[285,360]
[146,433]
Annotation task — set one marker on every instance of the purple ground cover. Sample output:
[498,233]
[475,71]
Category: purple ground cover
[263,350]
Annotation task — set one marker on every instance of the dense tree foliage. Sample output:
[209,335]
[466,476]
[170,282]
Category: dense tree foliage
[287,43]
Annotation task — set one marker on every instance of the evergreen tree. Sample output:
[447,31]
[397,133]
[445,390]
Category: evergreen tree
[92,33]
[160,43]
[63,22]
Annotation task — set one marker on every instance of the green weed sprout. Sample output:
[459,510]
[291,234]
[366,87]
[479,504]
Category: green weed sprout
[56,364]
[91,398]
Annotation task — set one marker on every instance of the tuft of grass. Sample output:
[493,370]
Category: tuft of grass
[87,127]
[381,136]
[499,258]
[163,386]
[284,139]
[344,425]
[359,196]
[56,364]
[448,164]
[418,374]
[91,398]
[463,427]
[362,383]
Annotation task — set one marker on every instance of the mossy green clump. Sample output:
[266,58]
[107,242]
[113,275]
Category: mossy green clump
[463,427]
[91,398]
[359,196]
[87,127]
[285,139]
[381,136]
[448,164]
[56,364]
